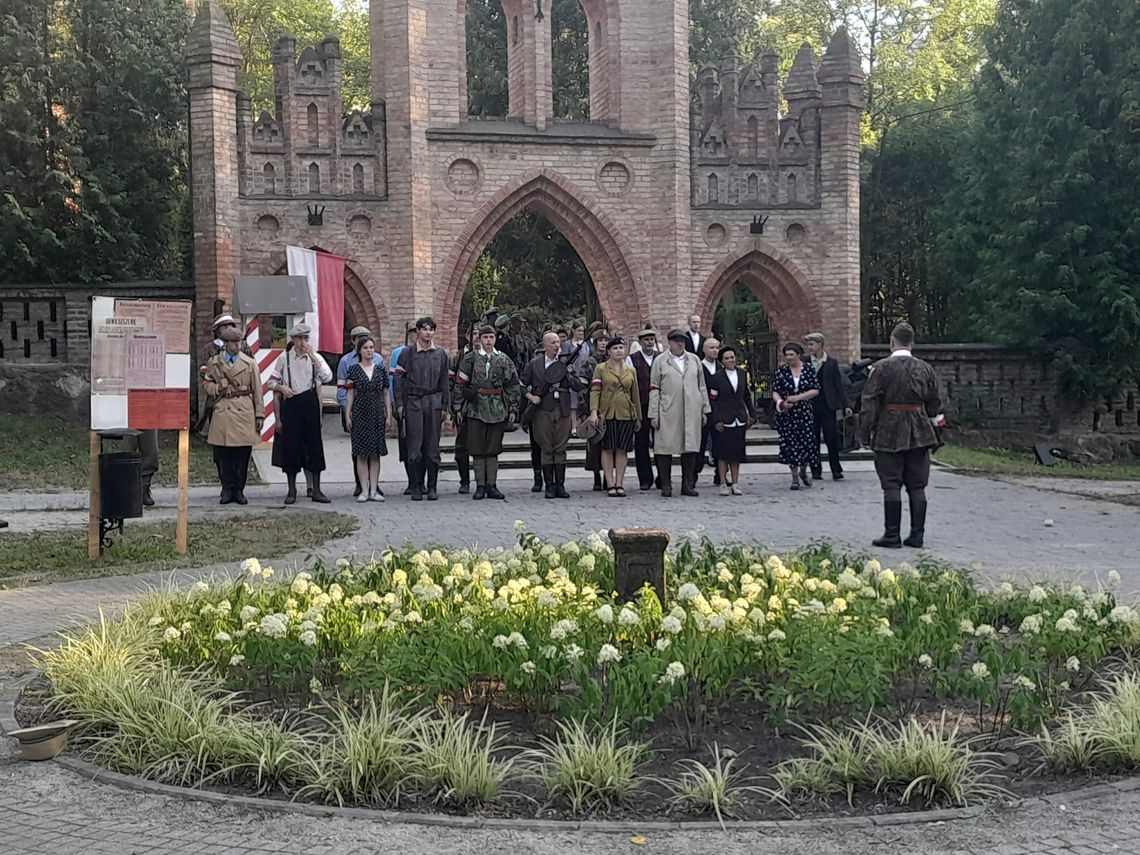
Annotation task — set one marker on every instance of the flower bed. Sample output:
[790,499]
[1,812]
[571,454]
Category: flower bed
[531,640]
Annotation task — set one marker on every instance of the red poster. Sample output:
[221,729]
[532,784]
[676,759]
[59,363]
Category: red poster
[158,409]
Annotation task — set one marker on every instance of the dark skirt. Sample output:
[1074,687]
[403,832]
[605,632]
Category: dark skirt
[618,436]
[299,446]
[728,445]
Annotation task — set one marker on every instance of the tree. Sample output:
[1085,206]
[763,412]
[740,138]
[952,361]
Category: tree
[487,93]
[570,60]
[1045,218]
[92,130]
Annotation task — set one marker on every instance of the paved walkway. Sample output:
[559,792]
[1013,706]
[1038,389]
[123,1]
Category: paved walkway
[997,528]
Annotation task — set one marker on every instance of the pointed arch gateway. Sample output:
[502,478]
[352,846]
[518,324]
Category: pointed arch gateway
[780,286]
[593,235]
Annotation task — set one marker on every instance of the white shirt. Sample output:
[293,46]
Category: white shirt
[734,379]
[710,366]
[696,338]
[902,351]
[550,360]
[297,372]
[488,354]
[679,361]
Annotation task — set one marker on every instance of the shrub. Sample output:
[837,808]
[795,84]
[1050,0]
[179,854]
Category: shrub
[717,789]
[460,763]
[590,768]
[1102,734]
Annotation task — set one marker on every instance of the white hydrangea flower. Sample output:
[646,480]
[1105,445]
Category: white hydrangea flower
[308,638]
[608,653]
[236,659]
[1031,625]
[1065,624]
[628,617]
[1113,577]
[315,686]
[1024,682]
[688,591]
[980,670]
[413,617]
[223,637]
[925,661]
[520,526]
[248,613]
[251,567]
[1072,664]
[1037,594]
[671,625]
[887,577]
[274,625]
[528,667]
[1122,614]
[586,562]
[663,644]
[984,630]
[564,628]
[573,653]
[777,635]
[466,624]
[717,622]
[155,621]
[548,651]
[884,631]
[198,588]
[605,613]
[171,634]
[674,671]
[724,574]
[926,618]
[966,625]
[1005,591]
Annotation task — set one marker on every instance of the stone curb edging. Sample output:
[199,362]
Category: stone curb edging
[92,772]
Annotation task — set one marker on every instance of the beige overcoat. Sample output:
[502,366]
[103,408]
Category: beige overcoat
[236,391]
[678,401]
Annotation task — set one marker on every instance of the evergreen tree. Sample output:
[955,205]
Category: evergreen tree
[1045,223]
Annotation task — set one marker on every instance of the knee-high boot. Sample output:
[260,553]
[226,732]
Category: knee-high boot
[560,481]
[665,474]
[689,474]
[892,523]
[463,463]
[917,522]
[432,481]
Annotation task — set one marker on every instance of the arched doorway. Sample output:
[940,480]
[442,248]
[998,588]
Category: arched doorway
[756,301]
[621,297]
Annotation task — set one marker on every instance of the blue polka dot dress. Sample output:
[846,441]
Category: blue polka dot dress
[798,443]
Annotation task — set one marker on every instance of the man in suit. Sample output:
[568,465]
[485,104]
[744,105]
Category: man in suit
[709,350]
[897,420]
[833,397]
[694,338]
[643,364]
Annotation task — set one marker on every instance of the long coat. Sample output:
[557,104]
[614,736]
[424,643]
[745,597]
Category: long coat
[677,401]
[236,390]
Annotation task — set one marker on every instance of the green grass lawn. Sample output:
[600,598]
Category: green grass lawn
[993,461]
[57,556]
[52,454]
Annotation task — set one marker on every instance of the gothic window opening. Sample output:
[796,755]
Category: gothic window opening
[515,30]
[486,58]
[714,189]
[570,60]
[753,136]
[357,178]
[792,187]
[313,125]
[598,36]
[269,180]
[754,187]
[314,178]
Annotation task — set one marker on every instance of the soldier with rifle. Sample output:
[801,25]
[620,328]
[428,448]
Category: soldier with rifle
[548,381]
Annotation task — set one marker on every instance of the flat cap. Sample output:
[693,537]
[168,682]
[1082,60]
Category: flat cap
[675,334]
[359,332]
[230,334]
[300,330]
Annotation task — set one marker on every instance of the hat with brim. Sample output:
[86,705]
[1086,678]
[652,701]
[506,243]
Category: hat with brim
[230,334]
[301,330]
[359,332]
[677,335]
[647,332]
[224,318]
[588,431]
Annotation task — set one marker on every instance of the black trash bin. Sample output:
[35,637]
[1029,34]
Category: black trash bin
[120,483]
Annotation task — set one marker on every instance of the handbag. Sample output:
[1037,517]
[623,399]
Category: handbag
[849,427]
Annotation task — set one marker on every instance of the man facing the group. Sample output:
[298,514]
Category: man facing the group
[548,382]
[489,385]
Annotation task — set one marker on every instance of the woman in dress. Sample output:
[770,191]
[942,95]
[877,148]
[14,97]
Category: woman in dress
[793,387]
[367,416]
[732,415]
[615,403]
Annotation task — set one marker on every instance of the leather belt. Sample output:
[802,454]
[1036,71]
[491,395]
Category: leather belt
[491,392]
[235,393]
[905,408]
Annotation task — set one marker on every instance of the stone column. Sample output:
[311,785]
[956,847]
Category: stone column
[639,560]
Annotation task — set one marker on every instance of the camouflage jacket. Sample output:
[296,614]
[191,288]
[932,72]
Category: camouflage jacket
[899,400]
[456,393]
[488,386]
[589,366]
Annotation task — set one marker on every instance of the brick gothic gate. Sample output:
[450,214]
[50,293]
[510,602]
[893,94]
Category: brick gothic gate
[665,197]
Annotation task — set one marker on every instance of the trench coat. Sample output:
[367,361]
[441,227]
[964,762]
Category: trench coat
[678,402]
[236,391]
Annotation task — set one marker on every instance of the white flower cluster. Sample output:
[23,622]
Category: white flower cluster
[608,653]
[501,642]
[674,671]
[563,628]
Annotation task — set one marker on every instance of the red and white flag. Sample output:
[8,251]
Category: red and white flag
[325,273]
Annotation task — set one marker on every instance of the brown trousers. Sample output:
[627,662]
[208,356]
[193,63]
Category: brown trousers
[898,469]
[552,433]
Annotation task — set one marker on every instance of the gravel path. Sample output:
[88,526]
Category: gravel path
[997,528]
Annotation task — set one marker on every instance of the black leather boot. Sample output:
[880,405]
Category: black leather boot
[463,463]
[417,483]
[892,516]
[226,473]
[665,474]
[432,481]
[689,475]
[917,523]
[240,476]
[597,482]
[548,477]
[538,485]
[147,498]
[560,482]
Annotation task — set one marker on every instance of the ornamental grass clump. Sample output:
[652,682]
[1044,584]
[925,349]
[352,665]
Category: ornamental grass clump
[1102,734]
[589,768]
[462,760]
[717,789]
[931,764]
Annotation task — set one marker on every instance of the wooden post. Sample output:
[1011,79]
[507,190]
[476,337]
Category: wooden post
[183,488]
[95,514]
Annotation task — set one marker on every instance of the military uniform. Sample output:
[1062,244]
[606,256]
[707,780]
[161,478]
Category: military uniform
[489,387]
[423,395]
[235,388]
[899,402]
[462,454]
[553,383]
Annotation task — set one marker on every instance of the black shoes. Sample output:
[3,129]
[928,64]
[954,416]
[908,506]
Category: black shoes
[464,487]
[480,493]
[147,499]
[538,485]
[291,497]
[494,493]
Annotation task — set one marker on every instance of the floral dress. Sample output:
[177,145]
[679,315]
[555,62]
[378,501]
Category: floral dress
[369,410]
[796,426]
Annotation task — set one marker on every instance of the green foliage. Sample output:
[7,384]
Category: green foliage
[93,179]
[932,764]
[717,789]
[460,762]
[487,93]
[1101,734]
[570,60]
[1042,224]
